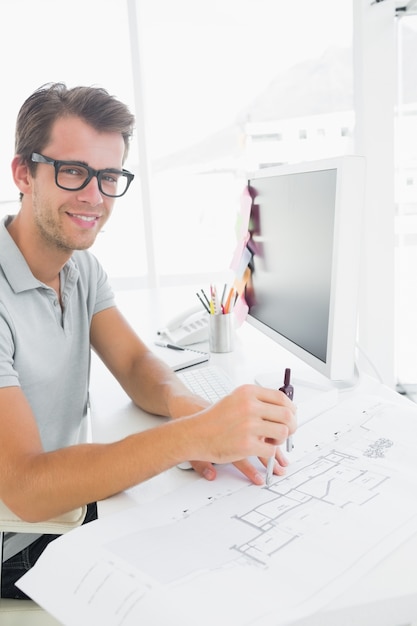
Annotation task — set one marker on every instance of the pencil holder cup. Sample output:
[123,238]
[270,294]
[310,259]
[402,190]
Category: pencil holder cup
[221,332]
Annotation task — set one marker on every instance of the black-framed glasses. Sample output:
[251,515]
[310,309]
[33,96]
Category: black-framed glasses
[73,176]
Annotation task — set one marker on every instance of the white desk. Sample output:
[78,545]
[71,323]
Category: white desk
[385,597]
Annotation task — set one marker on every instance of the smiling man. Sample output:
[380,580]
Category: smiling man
[56,304]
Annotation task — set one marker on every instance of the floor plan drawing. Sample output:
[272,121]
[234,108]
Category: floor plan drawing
[331,480]
[346,501]
[345,484]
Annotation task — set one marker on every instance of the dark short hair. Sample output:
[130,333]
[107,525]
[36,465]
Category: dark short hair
[55,100]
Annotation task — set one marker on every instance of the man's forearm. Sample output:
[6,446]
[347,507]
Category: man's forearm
[156,389]
[51,483]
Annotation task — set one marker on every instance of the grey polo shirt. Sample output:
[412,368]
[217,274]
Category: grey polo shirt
[44,349]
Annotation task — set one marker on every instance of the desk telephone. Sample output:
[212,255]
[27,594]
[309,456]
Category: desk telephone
[187,328]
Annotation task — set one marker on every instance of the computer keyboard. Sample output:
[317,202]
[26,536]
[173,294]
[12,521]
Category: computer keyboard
[210,382]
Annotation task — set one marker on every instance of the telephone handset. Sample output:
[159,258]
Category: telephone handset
[188,327]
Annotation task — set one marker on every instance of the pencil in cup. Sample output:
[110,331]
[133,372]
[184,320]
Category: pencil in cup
[230,301]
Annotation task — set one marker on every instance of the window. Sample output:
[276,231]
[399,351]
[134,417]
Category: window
[92,61]
[226,100]
[211,71]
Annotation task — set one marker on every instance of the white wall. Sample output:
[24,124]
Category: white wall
[375,80]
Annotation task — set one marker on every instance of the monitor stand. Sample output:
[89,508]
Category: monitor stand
[311,398]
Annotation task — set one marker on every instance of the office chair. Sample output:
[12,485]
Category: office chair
[27,612]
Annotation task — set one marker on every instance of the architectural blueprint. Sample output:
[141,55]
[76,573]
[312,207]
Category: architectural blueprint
[251,555]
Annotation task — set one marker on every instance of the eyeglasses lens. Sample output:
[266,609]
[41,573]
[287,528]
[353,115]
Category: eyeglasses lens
[73,177]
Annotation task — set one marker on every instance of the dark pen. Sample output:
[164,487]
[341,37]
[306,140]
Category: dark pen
[162,344]
[202,302]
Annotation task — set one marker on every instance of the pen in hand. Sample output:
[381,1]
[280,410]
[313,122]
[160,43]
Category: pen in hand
[270,469]
[288,389]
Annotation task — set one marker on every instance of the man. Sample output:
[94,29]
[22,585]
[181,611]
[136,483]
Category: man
[55,302]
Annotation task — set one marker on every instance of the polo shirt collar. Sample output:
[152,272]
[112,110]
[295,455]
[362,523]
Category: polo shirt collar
[14,265]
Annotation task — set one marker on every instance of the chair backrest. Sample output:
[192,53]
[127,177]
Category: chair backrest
[9,522]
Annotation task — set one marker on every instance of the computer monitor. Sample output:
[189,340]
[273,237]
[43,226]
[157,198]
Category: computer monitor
[305,235]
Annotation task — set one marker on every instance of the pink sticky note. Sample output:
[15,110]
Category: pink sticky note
[239,253]
[241,311]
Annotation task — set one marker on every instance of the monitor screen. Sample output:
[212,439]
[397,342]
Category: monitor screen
[304,228]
